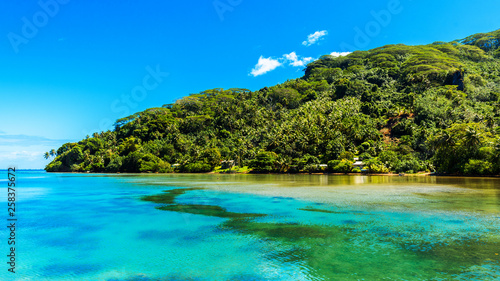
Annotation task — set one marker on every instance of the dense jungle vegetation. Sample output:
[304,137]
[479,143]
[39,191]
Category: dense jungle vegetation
[398,108]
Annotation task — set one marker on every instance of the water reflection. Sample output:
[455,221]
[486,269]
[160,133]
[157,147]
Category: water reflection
[417,192]
[257,227]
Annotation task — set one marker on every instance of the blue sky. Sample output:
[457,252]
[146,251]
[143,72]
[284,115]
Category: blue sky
[70,68]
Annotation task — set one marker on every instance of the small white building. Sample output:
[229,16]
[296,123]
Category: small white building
[358,164]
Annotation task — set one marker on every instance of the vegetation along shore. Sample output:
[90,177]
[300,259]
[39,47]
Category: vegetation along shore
[397,108]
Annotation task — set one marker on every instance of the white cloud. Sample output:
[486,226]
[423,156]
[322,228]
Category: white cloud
[264,65]
[16,155]
[339,54]
[295,61]
[25,152]
[314,38]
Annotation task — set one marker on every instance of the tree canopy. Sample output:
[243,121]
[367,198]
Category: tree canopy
[397,108]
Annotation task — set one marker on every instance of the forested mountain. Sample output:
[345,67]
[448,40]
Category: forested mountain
[398,108]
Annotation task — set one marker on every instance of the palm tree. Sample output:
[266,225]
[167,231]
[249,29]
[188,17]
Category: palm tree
[53,153]
[472,138]
[282,163]
[46,155]
[443,140]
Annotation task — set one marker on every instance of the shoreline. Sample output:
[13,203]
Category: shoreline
[315,174]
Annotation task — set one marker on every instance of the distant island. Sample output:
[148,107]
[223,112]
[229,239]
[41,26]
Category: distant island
[397,108]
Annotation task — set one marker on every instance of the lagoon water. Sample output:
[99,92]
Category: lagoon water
[253,227]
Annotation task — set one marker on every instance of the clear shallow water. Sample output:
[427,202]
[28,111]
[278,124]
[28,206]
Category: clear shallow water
[254,227]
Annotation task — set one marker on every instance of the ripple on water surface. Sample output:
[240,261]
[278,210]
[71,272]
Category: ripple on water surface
[217,227]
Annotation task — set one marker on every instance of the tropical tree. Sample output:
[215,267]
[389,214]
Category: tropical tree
[399,108]
[472,138]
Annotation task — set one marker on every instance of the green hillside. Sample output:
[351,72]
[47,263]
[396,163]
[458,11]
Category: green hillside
[398,108]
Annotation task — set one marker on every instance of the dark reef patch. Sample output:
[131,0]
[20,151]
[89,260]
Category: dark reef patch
[277,230]
[168,197]
[207,210]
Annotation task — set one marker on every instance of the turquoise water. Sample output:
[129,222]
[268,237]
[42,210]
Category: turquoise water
[254,227]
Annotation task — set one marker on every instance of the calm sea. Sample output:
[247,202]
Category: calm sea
[252,227]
